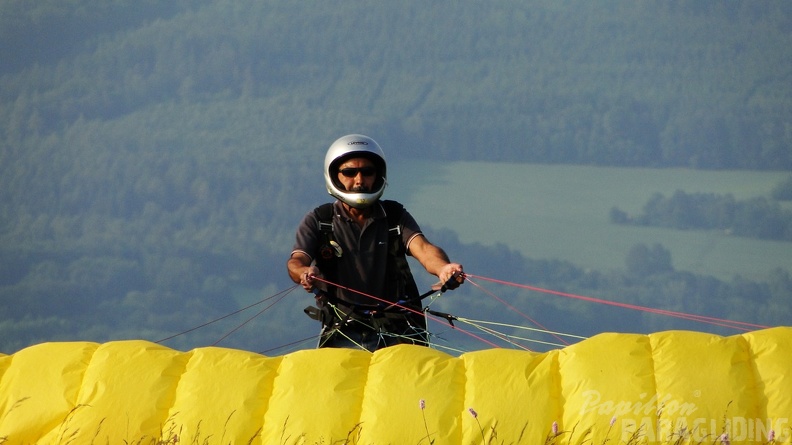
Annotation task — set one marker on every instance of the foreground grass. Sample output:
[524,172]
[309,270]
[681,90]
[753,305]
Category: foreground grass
[173,434]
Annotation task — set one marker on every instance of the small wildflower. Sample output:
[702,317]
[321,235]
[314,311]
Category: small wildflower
[422,405]
[771,436]
[481,429]
[613,420]
[725,439]
[555,428]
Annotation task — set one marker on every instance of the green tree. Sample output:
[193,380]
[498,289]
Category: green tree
[643,261]
[783,191]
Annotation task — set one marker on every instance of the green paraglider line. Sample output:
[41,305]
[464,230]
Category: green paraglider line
[440,317]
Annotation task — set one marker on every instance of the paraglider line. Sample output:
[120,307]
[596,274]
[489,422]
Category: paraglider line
[282,294]
[515,310]
[511,339]
[296,342]
[738,325]
[399,306]
[514,326]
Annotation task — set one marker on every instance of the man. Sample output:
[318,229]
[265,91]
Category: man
[351,253]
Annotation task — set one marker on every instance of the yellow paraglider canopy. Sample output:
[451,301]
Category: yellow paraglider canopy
[668,387]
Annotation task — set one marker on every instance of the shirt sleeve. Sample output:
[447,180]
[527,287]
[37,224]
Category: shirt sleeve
[307,238]
[410,230]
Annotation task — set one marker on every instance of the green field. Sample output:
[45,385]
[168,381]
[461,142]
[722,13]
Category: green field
[561,211]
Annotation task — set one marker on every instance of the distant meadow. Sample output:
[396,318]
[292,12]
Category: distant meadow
[561,211]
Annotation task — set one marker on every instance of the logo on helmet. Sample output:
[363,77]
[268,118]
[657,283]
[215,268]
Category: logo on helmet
[358,143]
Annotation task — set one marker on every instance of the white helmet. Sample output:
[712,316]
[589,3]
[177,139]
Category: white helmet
[351,146]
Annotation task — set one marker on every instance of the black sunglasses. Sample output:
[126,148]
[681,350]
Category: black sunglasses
[351,172]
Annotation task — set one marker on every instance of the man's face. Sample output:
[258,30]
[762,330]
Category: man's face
[357,174]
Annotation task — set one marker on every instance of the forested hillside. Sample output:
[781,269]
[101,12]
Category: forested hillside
[156,156]
[755,218]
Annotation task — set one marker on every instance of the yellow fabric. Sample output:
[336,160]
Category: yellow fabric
[513,393]
[222,390]
[39,387]
[612,388]
[605,378]
[398,379]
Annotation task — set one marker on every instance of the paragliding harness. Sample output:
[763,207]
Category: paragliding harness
[398,318]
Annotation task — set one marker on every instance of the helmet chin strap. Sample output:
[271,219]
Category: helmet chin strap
[365,198]
[359,207]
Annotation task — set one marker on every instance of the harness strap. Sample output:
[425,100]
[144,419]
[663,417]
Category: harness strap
[331,311]
[397,268]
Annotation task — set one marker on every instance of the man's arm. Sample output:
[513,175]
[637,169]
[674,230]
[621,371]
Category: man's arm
[434,259]
[301,271]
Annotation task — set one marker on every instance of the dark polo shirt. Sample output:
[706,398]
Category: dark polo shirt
[364,250]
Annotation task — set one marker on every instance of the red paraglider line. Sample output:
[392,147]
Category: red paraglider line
[392,304]
[739,325]
[513,309]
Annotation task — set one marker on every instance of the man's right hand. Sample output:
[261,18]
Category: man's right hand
[302,271]
[308,278]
